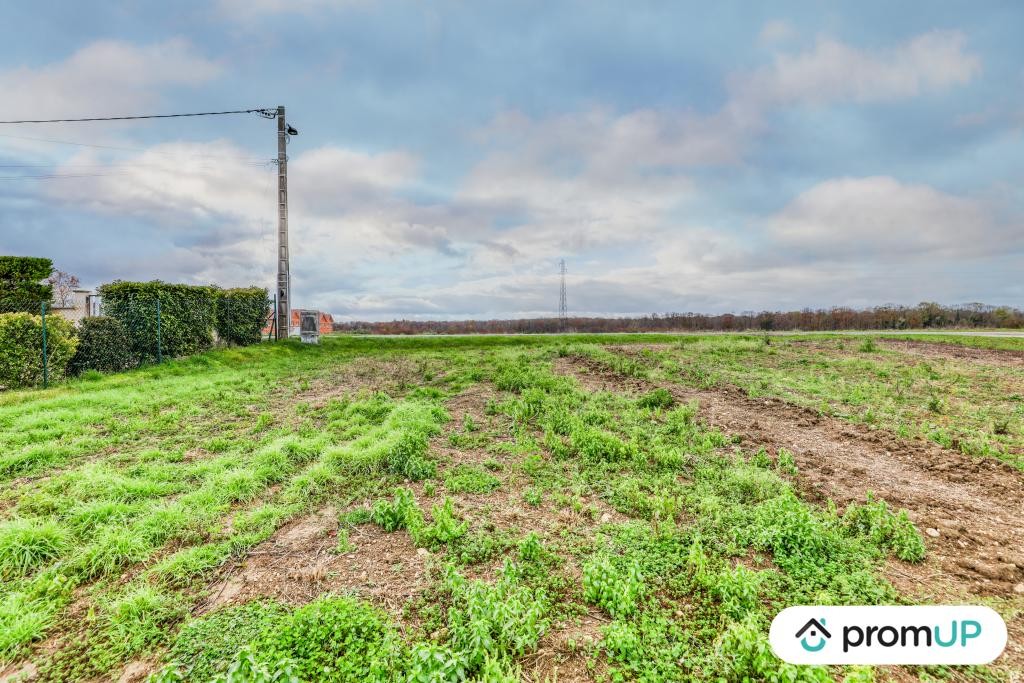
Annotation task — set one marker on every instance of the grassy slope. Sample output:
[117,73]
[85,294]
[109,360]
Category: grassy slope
[119,490]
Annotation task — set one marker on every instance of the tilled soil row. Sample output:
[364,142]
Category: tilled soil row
[971,510]
[1000,357]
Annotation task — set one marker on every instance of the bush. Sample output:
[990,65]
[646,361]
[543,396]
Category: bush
[21,348]
[242,314]
[187,316]
[103,345]
[20,282]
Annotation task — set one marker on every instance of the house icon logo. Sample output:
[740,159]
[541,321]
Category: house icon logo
[815,631]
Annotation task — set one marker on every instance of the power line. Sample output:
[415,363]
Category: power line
[266,113]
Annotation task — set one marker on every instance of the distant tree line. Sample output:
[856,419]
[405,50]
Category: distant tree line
[889,317]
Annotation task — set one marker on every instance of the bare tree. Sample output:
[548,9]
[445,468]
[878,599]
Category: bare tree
[64,285]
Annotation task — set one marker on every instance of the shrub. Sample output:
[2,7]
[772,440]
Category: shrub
[20,282]
[241,315]
[21,348]
[104,345]
[187,316]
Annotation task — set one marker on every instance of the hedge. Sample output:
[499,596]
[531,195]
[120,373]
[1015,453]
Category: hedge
[20,282]
[187,316]
[104,345]
[242,314]
[21,348]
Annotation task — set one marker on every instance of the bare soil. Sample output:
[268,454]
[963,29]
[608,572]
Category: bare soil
[1000,357]
[299,563]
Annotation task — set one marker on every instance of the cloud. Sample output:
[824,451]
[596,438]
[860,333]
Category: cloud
[835,72]
[776,31]
[882,219]
[246,9]
[107,77]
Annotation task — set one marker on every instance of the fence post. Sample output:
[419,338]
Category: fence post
[46,372]
[159,348]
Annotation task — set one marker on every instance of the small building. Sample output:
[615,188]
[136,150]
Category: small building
[326,322]
[76,305]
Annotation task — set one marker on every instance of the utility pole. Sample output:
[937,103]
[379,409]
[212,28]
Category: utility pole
[563,311]
[283,312]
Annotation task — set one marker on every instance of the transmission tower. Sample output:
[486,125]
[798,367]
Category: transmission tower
[563,311]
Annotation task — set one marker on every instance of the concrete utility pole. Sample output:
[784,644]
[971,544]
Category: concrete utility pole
[284,302]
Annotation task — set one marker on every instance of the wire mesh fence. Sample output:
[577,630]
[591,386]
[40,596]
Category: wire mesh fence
[41,343]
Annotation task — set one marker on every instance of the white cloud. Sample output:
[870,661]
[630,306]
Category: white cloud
[883,219]
[107,77]
[836,72]
[245,9]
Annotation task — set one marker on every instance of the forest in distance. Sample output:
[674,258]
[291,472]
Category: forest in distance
[926,315]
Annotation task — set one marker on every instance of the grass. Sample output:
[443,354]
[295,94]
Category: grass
[126,496]
[975,408]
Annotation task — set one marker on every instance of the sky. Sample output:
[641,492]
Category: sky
[680,156]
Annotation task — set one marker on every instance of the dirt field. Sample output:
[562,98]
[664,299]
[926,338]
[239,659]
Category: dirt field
[572,510]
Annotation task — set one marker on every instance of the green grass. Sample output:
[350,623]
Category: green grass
[974,408]
[125,496]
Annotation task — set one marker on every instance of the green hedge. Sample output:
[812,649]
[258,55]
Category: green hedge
[104,345]
[187,316]
[21,348]
[242,314]
[21,282]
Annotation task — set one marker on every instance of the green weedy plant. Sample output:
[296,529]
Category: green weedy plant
[743,653]
[470,479]
[335,639]
[868,346]
[399,513]
[140,618]
[429,663]
[660,398]
[204,648]
[495,622]
[596,445]
[103,345]
[27,544]
[885,529]
[617,590]
[444,528]
[242,314]
[786,463]
[21,348]
[737,590]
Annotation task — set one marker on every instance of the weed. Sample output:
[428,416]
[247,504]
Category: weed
[617,590]
[139,619]
[470,479]
[885,529]
[868,346]
[658,399]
